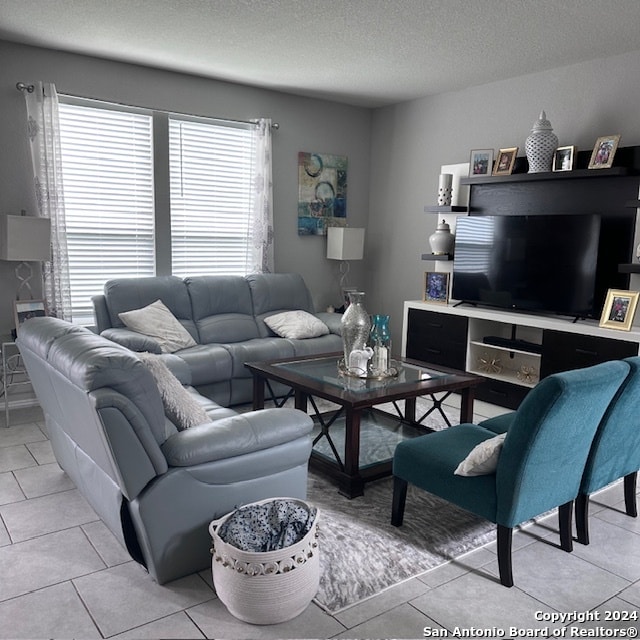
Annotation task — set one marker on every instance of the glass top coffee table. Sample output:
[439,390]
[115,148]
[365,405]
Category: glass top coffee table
[340,433]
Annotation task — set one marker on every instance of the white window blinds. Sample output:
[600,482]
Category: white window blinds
[107,163]
[211,168]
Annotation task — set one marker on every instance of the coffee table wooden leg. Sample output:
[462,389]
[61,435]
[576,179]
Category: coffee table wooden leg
[466,405]
[301,401]
[410,409]
[258,392]
[351,484]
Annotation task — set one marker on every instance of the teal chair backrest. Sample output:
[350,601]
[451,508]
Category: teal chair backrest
[615,451]
[546,449]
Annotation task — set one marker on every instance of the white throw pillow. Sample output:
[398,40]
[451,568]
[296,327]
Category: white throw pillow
[158,322]
[180,406]
[296,325]
[482,459]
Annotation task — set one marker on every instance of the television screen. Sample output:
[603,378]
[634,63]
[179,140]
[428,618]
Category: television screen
[537,263]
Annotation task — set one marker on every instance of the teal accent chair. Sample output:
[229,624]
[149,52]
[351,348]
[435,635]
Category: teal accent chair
[540,466]
[615,452]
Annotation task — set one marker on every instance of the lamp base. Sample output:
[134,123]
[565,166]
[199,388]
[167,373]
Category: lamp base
[25,285]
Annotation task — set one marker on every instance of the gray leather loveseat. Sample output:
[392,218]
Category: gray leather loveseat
[156,487]
[225,316]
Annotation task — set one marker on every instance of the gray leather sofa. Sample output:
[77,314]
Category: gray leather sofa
[225,316]
[155,487]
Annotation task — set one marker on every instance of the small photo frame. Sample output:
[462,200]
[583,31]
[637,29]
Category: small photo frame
[436,287]
[619,309]
[604,151]
[481,162]
[563,158]
[25,309]
[505,161]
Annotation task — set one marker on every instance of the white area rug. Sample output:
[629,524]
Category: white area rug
[361,553]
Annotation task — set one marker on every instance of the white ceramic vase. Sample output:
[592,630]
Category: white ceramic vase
[541,145]
[442,240]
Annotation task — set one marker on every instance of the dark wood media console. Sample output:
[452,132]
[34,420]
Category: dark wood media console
[460,337]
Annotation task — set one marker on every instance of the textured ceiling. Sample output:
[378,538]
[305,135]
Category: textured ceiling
[363,52]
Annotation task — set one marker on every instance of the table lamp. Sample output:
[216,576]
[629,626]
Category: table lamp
[25,239]
[344,244]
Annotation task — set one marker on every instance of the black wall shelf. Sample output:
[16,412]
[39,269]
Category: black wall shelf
[432,256]
[629,268]
[446,209]
[551,175]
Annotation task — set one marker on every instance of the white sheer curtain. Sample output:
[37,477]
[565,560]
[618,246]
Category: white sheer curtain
[44,138]
[261,229]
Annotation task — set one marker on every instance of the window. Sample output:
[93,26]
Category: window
[211,169]
[107,166]
[111,205]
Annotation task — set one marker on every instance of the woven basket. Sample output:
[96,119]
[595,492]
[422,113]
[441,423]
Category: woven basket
[266,587]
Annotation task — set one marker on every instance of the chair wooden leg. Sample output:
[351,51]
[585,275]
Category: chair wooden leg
[582,518]
[504,555]
[630,494]
[399,499]
[565,513]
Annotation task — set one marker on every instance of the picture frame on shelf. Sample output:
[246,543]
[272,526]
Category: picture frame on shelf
[619,309]
[436,287]
[480,162]
[505,161]
[563,158]
[604,151]
[25,309]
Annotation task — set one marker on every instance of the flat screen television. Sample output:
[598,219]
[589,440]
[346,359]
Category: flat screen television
[534,263]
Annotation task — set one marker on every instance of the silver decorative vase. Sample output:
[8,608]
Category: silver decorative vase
[356,326]
[541,145]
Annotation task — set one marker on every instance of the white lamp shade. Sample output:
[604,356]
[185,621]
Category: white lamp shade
[25,238]
[345,243]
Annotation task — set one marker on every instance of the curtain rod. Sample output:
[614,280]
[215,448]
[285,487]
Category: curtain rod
[30,88]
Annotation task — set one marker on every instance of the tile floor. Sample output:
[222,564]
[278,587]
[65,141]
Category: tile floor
[63,575]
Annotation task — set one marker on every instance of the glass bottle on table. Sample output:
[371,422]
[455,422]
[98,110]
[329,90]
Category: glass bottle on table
[380,340]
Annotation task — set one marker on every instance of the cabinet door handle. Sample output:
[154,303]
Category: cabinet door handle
[586,352]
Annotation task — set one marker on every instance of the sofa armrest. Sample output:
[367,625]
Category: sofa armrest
[332,320]
[132,340]
[235,436]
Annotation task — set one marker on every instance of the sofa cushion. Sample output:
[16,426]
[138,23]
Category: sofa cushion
[222,308]
[483,458]
[207,363]
[296,325]
[125,294]
[157,321]
[276,292]
[257,350]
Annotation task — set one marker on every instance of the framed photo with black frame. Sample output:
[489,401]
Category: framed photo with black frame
[436,287]
[619,309]
[505,162]
[563,158]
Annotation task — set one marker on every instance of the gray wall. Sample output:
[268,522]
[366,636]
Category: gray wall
[305,125]
[412,140]
[394,153]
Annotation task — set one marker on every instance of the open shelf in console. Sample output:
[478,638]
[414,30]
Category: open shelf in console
[503,361]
